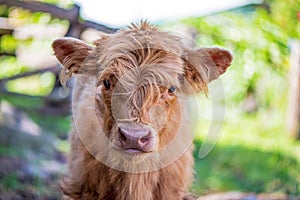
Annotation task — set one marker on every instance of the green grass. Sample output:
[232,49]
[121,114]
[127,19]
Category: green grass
[34,186]
[10,182]
[254,154]
[22,102]
[9,151]
[57,125]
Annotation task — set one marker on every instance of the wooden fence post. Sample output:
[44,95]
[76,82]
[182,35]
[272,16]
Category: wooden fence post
[293,112]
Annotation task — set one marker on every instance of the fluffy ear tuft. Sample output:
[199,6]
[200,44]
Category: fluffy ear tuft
[204,65]
[70,53]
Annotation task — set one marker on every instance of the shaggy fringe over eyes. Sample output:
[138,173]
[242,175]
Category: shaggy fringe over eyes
[140,76]
[129,49]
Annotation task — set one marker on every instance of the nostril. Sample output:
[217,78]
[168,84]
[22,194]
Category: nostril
[145,140]
[122,135]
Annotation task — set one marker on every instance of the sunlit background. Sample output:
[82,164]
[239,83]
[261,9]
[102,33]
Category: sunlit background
[258,151]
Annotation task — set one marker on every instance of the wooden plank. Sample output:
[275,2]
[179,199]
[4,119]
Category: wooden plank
[72,15]
[53,69]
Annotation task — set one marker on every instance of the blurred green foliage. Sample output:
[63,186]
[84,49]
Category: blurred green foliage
[261,53]
[254,152]
[286,14]
[8,44]
[9,66]
[37,85]
[10,182]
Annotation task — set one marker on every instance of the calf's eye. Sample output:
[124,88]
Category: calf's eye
[171,90]
[106,84]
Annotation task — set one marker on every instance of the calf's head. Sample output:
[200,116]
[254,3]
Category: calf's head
[141,78]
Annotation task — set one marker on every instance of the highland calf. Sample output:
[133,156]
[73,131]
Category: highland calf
[130,138]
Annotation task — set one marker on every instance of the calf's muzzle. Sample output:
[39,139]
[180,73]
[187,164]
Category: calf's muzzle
[136,140]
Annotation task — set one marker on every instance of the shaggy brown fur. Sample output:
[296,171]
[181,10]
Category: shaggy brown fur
[127,81]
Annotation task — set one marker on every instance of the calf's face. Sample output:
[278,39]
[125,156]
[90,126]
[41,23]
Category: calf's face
[143,76]
[139,99]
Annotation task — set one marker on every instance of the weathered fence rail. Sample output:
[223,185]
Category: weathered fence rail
[76,27]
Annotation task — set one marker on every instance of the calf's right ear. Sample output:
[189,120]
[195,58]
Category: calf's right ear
[204,65]
[71,53]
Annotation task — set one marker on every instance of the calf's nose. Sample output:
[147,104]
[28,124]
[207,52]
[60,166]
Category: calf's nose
[135,139]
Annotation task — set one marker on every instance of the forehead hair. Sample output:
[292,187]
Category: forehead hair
[144,51]
[139,45]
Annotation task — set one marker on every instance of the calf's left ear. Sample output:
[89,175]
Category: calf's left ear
[204,65]
[71,53]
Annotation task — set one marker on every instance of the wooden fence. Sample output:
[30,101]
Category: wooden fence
[76,27]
